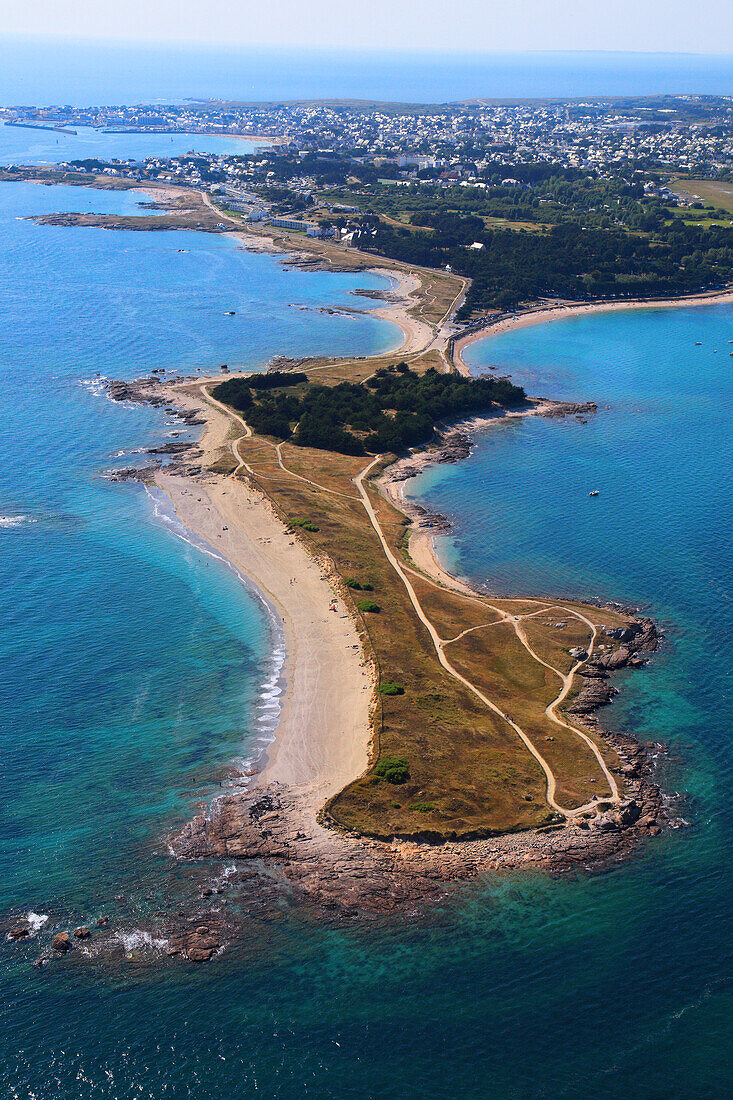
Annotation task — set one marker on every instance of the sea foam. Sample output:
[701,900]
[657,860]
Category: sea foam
[269,701]
[15,521]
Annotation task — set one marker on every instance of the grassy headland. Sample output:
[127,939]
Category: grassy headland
[452,746]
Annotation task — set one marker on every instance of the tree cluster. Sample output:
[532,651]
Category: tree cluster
[392,411]
[569,261]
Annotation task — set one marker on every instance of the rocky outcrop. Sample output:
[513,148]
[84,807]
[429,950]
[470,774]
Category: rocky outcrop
[135,473]
[555,410]
[426,518]
[140,391]
[152,391]
[638,639]
[280,848]
[200,943]
[595,692]
[61,942]
[177,448]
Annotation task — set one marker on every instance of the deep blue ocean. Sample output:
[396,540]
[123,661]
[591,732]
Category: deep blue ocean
[84,73]
[134,666]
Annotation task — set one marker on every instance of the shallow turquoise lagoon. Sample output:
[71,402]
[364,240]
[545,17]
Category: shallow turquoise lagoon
[134,666]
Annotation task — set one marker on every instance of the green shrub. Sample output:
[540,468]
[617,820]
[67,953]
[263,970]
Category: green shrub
[359,586]
[393,769]
[369,605]
[305,524]
[422,807]
[389,687]
[395,409]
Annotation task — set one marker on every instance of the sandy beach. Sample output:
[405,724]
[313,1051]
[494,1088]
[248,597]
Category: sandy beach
[416,335]
[322,738]
[323,735]
[545,314]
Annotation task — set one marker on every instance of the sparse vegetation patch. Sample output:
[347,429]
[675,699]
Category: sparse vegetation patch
[392,769]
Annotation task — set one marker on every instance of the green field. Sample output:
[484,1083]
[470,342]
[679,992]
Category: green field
[710,192]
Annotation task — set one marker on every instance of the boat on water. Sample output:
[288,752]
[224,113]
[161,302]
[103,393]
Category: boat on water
[594,492]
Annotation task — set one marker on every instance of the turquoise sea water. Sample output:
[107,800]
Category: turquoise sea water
[657,536]
[134,666]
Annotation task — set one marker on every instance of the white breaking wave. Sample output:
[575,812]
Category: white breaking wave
[15,521]
[269,702]
[96,386]
[140,941]
[36,921]
[134,451]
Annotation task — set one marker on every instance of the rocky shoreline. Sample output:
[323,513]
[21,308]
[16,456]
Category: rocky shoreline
[639,638]
[255,852]
[355,875]
[153,390]
[456,439]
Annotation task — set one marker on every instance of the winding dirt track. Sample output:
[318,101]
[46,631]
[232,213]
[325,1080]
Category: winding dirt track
[440,643]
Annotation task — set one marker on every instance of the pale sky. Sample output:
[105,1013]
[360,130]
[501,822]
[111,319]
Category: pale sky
[704,26]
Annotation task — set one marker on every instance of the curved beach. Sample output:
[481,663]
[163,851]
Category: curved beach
[322,736]
[540,315]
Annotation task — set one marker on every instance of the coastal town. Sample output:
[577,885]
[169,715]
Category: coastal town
[448,141]
[530,202]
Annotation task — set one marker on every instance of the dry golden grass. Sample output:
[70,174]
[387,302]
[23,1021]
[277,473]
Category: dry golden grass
[715,192]
[552,642]
[450,612]
[502,668]
[463,760]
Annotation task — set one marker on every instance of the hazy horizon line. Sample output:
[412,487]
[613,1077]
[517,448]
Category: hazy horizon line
[285,47]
